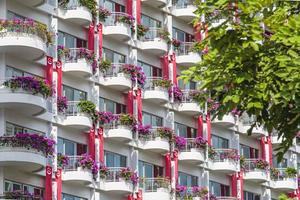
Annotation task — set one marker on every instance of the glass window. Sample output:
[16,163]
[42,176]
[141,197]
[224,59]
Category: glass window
[149,170]
[73,94]
[185,131]
[149,70]
[115,160]
[219,142]
[154,121]
[70,148]
[276,164]
[113,56]
[12,129]
[13,72]
[182,36]
[248,152]
[70,41]
[150,22]
[187,179]
[113,7]
[71,197]
[219,189]
[111,106]
[251,196]
[187,86]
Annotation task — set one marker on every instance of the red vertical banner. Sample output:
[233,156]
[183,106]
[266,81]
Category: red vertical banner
[49,70]
[208,130]
[91,140]
[165,67]
[200,126]
[139,195]
[234,185]
[48,183]
[138,11]
[130,197]
[91,37]
[270,150]
[168,166]
[100,39]
[140,106]
[175,159]
[130,102]
[197,32]
[101,145]
[59,78]
[59,184]
[263,148]
[129,7]
[173,61]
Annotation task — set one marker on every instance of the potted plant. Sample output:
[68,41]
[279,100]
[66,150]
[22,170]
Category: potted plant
[87,107]
[176,43]
[199,192]
[165,133]
[62,52]
[90,5]
[274,173]
[87,163]
[242,162]
[165,35]
[180,190]
[127,120]
[106,117]
[291,172]
[141,30]
[180,142]
[104,65]
[126,19]
[103,171]
[126,173]
[161,84]
[143,131]
[135,72]
[176,92]
[62,104]
[62,160]
[212,154]
[103,13]
[261,164]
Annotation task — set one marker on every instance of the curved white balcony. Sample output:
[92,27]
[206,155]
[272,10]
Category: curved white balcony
[282,182]
[155,93]
[155,188]
[74,12]
[252,173]
[75,174]
[118,132]
[154,142]
[116,28]
[113,182]
[185,56]
[257,131]
[153,43]
[184,9]
[226,198]
[227,120]
[32,3]
[75,118]
[20,100]
[187,105]
[192,153]
[114,78]
[224,160]
[156,3]
[22,158]
[76,63]
[27,43]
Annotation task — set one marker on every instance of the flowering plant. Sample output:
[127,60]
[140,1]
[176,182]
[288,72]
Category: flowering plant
[165,132]
[30,141]
[165,35]
[261,164]
[28,26]
[274,173]
[86,162]
[142,130]
[236,112]
[89,56]
[177,93]
[126,19]
[126,173]
[89,108]
[212,154]
[180,190]
[20,194]
[106,117]
[30,84]
[180,142]
[197,95]
[103,13]
[134,178]
[291,172]
[176,43]
[62,104]
[141,30]
[62,160]
[127,119]
[242,162]
[62,52]
[104,171]
[200,141]
[162,83]
[136,73]
[104,65]
[198,191]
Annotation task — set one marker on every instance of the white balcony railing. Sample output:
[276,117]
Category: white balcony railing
[184,49]
[114,70]
[73,163]
[114,174]
[151,85]
[191,144]
[75,54]
[251,165]
[187,97]
[152,34]
[73,109]
[224,155]
[180,4]
[114,18]
[71,5]
[153,184]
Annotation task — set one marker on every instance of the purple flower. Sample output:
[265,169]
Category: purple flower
[106,117]
[200,141]
[180,142]
[143,130]
[62,104]
[136,73]
[177,93]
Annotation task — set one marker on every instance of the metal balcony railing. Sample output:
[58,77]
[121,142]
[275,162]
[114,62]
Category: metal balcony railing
[180,4]
[115,18]
[71,5]
[154,33]
[191,144]
[73,163]
[282,175]
[75,54]
[184,49]
[150,83]
[115,124]
[251,165]
[223,155]
[114,174]
[187,97]
[73,109]
[114,70]
[152,184]
[151,136]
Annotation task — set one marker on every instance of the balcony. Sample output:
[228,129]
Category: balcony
[186,56]
[275,140]
[257,131]
[114,182]
[118,132]
[281,181]
[226,198]
[223,160]
[74,118]
[79,62]
[192,152]
[155,140]
[32,3]
[228,120]
[118,26]
[156,90]
[115,78]
[184,9]
[25,39]
[155,188]
[73,11]
[26,152]
[255,170]
[156,3]
[153,42]
[188,105]
[74,173]
[20,95]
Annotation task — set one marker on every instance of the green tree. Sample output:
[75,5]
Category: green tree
[253,62]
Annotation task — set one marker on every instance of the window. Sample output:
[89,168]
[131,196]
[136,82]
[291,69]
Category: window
[149,70]
[187,179]
[113,7]
[113,56]
[185,131]
[182,36]
[12,129]
[186,86]
[10,186]
[71,197]
[115,160]
[251,196]
[73,94]
[11,15]
[219,189]
[70,148]
[276,164]
[154,121]
[150,22]
[70,41]
[111,106]
[248,152]
[13,72]
[219,142]
[149,170]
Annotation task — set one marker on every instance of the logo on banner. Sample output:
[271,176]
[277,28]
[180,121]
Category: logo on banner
[49,60]
[58,174]
[48,170]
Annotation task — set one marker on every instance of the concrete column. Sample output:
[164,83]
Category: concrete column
[266,193]
[2,122]
[3,9]
[134,164]
[1,180]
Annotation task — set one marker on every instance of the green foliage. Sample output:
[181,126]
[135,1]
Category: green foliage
[89,4]
[284,197]
[291,172]
[141,30]
[127,120]
[162,83]
[250,68]
[104,65]
[89,108]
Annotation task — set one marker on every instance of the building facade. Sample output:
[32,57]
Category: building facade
[112,120]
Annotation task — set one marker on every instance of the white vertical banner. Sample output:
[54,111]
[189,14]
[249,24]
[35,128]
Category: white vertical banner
[53,135]
[239,187]
[173,180]
[97,150]
[54,190]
